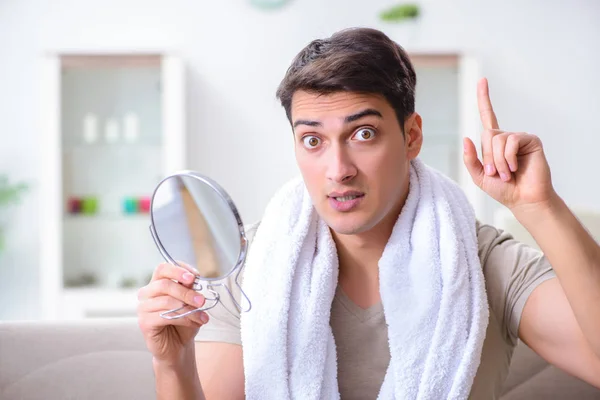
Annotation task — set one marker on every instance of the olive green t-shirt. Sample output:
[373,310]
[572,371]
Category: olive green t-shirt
[512,271]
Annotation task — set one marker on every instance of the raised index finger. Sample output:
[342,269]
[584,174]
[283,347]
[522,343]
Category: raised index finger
[488,118]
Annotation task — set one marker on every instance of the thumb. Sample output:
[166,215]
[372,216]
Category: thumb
[472,163]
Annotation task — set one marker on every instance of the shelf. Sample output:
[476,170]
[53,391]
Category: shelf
[94,292]
[109,244]
[111,146]
[99,302]
[106,217]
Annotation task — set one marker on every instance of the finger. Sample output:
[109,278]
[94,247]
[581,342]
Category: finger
[486,112]
[173,289]
[187,266]
[487,150]
[154,320]
[166,271]
[472,163]
[499,144]
[513,144]
[159,303]
[196,318]
[165,303]
[175,272]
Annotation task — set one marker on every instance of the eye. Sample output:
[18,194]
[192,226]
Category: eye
[311,141]
[364,134]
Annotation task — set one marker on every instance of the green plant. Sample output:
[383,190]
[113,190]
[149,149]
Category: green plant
[10,194]
[400,12]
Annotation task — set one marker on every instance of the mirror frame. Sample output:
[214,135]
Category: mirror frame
[224,196]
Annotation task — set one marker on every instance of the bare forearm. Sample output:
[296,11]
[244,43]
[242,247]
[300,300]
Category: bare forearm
[178,382]
[575,257]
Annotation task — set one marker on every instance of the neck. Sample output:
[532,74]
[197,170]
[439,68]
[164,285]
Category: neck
[359,254]
[359,261]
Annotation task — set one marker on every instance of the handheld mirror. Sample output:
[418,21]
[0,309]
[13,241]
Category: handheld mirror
[194,222]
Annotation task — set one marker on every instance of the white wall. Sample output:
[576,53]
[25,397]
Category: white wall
[541,58]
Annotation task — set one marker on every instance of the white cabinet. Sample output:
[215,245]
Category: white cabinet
[446,99]
[112,127]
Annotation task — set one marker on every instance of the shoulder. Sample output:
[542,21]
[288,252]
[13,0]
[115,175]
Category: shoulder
[488,238]
[499,249]
[512,270]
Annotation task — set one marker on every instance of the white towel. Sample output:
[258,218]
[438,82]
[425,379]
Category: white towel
[431,285]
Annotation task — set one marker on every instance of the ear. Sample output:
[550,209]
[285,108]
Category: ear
[413,135]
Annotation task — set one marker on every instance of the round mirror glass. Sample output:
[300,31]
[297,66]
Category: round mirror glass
[195,223]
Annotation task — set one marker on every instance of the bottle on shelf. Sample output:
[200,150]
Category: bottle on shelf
[90,128]
[131,127]
[111,132]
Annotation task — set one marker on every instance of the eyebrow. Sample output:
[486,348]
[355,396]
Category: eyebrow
[347,120]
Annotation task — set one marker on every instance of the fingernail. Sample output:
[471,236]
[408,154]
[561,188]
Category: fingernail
[199,300]
[188,277]
[505,177]
[203,318]
[489,169]
[512,167]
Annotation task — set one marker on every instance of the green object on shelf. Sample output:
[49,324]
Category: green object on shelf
[85,279]
[128,282]
[400,13]
[89,205]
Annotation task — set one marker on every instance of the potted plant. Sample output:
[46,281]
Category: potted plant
[404,23]
[10,194]
[400,13]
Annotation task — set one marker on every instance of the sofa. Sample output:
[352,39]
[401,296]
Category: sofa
[106,358]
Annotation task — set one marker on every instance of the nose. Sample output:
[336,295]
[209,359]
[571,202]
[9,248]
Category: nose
[340,167]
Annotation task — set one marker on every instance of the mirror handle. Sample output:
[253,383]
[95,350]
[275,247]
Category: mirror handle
[166,315]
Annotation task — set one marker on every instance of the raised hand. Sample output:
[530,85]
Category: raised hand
[514,170]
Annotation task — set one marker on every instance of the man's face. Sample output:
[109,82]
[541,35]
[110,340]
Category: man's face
[353,157]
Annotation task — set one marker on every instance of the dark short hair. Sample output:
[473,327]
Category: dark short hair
[360,60]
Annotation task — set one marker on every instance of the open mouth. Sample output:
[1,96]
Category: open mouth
[345,201]
[348,198]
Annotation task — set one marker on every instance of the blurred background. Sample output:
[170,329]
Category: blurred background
[101,99]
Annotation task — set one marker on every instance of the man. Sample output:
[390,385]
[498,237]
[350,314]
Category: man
[350,101]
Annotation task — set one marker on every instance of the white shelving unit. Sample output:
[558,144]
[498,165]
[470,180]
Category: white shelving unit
[87,256]
[446,99]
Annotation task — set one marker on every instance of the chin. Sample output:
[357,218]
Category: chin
[347,224]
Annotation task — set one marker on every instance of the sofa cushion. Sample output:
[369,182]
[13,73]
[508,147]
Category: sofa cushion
[531,377]
[524,365]
[107,359]
[89,359]
[102,375]
[552,384]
